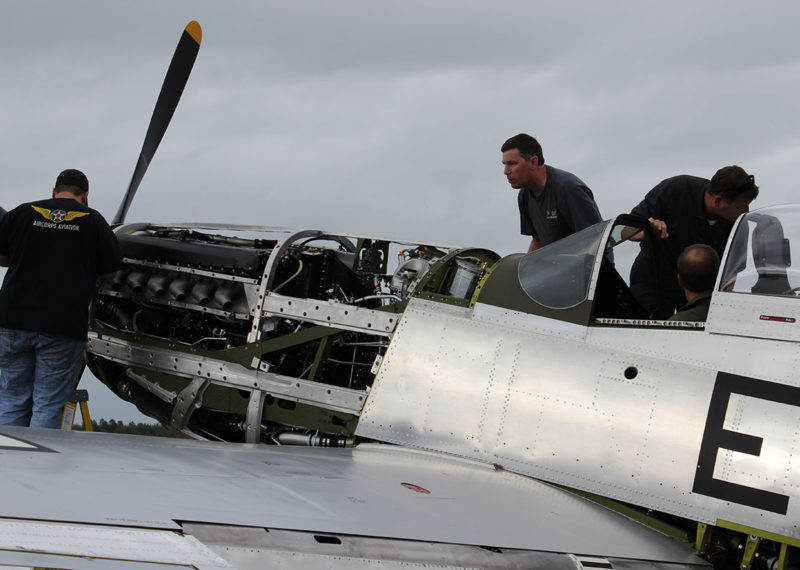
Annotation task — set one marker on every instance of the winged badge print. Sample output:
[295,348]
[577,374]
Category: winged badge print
[58,216]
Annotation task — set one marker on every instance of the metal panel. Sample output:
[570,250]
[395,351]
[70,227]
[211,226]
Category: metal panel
[618,412]
[247,548]
[331,314]
[107,542]
[370,491]
[755,315]
[228,373]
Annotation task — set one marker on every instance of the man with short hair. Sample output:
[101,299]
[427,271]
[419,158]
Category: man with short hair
[685,210]
[553,203]
[697,272]
[54,250]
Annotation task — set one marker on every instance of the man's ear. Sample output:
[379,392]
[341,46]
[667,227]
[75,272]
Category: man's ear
[680,283]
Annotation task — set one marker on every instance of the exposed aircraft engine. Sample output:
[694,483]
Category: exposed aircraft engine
[261,334]
[407,272]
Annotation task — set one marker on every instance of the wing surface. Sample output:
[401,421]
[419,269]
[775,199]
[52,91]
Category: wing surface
[133,501]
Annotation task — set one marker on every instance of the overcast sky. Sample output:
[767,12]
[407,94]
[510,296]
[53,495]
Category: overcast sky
[386,118]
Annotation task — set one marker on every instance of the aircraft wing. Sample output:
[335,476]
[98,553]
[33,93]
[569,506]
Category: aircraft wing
[90,500]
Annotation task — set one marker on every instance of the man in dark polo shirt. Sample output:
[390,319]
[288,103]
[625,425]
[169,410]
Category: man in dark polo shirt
[54,250]
[553,203]
[684,210]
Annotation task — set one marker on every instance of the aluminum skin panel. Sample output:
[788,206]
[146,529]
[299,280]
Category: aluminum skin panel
[373,490]
[247,548]
[121,544]
[621,412]
[755,315]
[331,314]
[227,373]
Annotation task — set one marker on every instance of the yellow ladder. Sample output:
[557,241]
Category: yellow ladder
[78,398]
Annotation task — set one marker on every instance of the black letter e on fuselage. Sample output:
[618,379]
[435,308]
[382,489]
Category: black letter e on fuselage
[715,438]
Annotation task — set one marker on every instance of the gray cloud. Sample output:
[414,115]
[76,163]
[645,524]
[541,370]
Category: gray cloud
[382,117]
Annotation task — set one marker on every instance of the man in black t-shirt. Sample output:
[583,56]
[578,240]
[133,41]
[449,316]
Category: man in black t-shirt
[684,210]
[553,203]
[54,250]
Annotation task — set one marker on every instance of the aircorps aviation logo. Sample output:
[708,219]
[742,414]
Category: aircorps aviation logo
[59,216]
[56,217]
[551,214]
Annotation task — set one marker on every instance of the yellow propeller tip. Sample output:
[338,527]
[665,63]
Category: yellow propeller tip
[193,29]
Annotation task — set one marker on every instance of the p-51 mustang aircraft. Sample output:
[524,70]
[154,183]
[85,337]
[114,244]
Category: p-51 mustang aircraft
[537,418]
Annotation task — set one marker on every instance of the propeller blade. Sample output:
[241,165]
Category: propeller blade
[178,73]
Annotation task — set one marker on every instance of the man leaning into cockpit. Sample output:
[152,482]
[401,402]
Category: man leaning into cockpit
[682,211]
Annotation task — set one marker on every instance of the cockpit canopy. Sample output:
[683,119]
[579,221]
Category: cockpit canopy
[584,278]
[759,258]
[559,276]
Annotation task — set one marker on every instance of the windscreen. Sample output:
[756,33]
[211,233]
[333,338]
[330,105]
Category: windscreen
[558,275]
[759,260]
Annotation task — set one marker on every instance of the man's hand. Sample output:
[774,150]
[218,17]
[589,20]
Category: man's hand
[659,228]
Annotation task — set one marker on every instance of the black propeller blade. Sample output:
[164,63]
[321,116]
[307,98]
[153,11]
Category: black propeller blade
[178,73]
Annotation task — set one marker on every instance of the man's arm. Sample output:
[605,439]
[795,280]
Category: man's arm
[637,234]
[4,234]
[109,256]
[535,244]
[650,207]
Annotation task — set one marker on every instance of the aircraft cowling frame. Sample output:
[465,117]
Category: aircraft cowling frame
[262,334]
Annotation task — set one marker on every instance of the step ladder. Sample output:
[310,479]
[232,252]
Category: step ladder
[79,398]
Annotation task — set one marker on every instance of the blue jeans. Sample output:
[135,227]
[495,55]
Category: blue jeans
[38,373]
